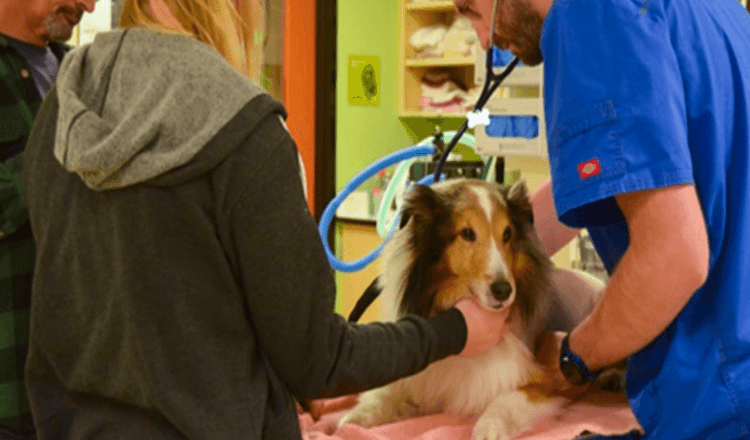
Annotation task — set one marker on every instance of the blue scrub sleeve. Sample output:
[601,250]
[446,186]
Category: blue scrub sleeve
[615,106]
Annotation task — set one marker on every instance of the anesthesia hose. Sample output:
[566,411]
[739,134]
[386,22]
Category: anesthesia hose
[359,179]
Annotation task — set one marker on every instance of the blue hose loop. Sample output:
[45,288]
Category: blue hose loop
[354,183]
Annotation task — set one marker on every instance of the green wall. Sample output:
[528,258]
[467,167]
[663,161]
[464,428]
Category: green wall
[365,134]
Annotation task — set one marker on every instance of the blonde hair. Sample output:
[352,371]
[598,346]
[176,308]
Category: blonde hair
[236,34]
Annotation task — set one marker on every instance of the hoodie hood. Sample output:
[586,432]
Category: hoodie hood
[136,104]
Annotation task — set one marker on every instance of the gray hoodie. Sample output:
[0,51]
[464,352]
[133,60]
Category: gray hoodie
[181,289]
[120,120]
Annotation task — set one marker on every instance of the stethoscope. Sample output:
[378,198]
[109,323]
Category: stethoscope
[479,115]
[491,83]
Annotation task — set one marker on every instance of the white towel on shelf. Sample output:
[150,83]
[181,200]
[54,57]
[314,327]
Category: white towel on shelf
[428,41]
[460,39]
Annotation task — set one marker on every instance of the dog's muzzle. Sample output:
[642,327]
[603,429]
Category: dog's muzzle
[495,294]
[501,290]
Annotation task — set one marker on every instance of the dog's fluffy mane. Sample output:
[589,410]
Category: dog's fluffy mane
[426,229]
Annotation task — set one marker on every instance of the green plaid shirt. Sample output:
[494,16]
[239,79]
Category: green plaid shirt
[19,102]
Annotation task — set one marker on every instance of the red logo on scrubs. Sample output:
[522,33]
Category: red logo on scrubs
[590,168]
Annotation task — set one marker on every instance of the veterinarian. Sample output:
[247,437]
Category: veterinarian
[183,290]
[31,32]
[648,111]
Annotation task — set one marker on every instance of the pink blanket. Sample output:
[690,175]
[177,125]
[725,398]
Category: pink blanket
[597,412]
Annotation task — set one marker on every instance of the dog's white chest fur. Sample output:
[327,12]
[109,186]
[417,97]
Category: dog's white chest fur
[467,386]
[485,386]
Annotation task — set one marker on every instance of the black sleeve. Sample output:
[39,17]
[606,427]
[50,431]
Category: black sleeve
[290,290]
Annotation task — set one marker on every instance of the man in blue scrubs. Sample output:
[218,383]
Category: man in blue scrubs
[648,117]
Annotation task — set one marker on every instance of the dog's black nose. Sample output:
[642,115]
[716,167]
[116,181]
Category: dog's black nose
[501,290]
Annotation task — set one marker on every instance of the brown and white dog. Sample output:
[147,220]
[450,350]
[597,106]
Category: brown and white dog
[467,237]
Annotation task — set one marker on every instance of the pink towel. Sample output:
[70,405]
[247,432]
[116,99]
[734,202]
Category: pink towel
[454,106]
[598,412]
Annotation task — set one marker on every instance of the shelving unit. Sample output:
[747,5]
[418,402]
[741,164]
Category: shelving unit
[521,94]
[415,15]
[440,62]
[440,6]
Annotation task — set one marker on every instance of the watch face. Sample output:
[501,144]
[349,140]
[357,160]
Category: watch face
[571,371]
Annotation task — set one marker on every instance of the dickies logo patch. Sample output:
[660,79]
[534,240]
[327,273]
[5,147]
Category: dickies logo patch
[588,169]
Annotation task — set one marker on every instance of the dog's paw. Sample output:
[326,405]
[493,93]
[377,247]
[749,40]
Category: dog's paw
[360,416]
[490,428]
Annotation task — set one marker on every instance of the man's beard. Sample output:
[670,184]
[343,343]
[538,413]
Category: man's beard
[524,31]
[59,24]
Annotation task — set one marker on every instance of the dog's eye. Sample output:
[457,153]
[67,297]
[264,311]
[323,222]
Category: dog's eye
[507,235]
[468,234]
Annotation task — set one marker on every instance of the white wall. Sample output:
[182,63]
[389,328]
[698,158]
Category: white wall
[98,21]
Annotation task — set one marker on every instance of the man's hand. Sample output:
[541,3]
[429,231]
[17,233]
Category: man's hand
[484,328]
[548,357]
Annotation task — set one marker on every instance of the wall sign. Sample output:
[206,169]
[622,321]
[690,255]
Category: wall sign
[364,80]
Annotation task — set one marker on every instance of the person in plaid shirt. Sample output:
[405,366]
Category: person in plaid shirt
[29,59]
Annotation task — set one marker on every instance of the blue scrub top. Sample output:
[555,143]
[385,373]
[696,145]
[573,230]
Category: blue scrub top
[644,94]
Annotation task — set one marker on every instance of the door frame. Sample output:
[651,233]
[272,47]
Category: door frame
[325,108]
[309,91]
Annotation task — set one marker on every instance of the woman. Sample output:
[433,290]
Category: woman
[181,289]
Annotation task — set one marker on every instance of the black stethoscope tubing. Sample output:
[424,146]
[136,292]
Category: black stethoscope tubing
[491,83]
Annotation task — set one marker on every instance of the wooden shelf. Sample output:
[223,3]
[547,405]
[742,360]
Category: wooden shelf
[434,6]
[432,115]
[497,106]
[440,62]
[414,16]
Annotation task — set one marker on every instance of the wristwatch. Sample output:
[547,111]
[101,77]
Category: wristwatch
[573,367]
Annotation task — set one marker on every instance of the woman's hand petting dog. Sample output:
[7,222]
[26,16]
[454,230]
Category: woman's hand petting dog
[548,357]
[484,328]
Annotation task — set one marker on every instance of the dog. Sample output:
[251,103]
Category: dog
[468,237]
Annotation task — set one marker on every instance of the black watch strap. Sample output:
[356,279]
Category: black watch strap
[573,367]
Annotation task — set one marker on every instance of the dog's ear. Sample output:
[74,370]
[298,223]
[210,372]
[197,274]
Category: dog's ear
[519,201]
[428,217]
[421,203]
